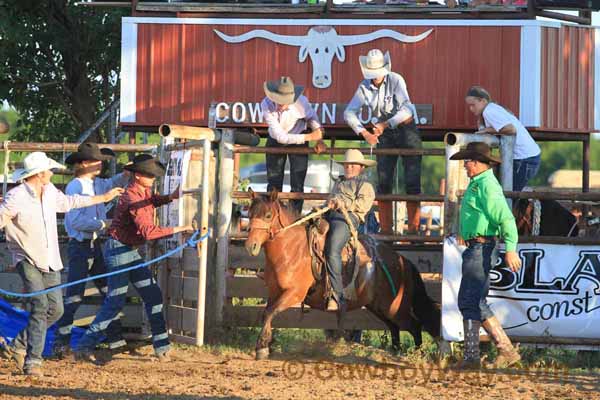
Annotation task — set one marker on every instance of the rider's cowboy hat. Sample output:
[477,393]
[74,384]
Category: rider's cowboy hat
[283,91]
[147,165]
[354,156]
[89,152]
[479,151]
[35,163]
[375,64]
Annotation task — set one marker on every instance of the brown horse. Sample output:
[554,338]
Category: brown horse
[290,280]
[554,219]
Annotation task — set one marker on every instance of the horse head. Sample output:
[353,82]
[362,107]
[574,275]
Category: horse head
[265,220]
[522,211]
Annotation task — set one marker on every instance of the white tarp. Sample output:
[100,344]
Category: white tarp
[173,212]
[556,292]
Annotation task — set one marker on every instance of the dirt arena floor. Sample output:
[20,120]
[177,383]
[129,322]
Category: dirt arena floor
[217,374]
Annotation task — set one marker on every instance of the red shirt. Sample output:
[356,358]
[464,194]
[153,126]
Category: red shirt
[133,221]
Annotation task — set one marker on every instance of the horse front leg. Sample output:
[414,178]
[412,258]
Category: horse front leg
[287,299]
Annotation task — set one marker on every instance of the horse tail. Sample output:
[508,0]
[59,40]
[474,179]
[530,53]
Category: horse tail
[427,311]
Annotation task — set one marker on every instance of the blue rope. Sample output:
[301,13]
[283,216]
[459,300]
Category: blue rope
[191,242]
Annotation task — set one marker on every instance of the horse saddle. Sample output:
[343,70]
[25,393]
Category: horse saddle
[352,259]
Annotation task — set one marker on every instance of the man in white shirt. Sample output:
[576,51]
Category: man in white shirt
[28,216]
[394,116]
[287,114]
[493,118]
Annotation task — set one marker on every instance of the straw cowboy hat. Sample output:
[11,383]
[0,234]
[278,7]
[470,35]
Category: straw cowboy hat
[89,152]
[283,91]
[479,151]
[375,64]
[35,163]
[147,165]
[354,156]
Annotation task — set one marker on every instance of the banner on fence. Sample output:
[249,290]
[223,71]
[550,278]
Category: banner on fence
[555,294]
[176,175]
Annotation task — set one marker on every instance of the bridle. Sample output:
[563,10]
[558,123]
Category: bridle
[525,223]
[261,224]
[530,220]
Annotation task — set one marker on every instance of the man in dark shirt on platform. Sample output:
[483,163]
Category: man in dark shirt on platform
[133,225]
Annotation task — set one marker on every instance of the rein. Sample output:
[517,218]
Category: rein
[261,224]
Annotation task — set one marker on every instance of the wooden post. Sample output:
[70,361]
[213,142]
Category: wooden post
[452,184]
[453,143]
[585,167]
[226,171]
[112,138]
[203,246]
[442,191]
[507,151]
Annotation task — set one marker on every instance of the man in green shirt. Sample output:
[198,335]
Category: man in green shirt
[484,216]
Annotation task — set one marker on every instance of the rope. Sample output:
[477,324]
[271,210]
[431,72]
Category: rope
[378,260]
[191,242]
[572,227]
[6,161]
[537,215]
[306,218]
[353,231]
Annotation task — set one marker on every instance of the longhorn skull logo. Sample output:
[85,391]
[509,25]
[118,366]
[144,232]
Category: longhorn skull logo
[321,43]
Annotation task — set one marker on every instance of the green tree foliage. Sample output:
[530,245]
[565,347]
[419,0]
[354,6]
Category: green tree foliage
[59,65]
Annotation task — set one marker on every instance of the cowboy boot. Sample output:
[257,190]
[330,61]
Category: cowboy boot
[507,354]
[386,216]
[471,359]
[413,209]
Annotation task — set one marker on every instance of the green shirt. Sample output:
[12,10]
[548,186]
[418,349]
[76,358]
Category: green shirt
[485,212]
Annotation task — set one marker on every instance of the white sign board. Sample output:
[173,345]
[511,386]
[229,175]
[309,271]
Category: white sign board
[176,175]
[555,294]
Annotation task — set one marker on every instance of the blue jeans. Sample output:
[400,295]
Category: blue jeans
[524,170]
[85,258]
[475,282]
[276,171]
[44,310]
[401,137]
[119,256]
[337,237]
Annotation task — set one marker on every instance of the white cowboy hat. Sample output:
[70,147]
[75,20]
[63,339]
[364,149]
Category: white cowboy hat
[283,91]
[375,64]
[35,163]
[354,156]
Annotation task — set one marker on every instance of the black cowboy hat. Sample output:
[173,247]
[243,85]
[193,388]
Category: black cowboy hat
[147,165]
[89,152]
[479,151]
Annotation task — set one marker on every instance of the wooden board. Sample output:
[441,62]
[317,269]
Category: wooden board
[11,281]
[181,318]
[428,261]
[295,318]
[131,315]
[250,286]
[183,289]
[230,112]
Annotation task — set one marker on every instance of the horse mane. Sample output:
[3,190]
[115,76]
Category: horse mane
[262,204]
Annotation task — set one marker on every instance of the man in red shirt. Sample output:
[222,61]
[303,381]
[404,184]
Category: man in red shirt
[132,226]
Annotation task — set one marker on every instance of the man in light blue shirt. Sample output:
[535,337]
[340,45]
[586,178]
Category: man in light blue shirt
[84,227]
[384,93]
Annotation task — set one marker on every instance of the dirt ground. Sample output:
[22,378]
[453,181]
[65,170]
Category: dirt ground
[216,374]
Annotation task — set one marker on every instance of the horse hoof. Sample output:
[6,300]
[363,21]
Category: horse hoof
[262,354]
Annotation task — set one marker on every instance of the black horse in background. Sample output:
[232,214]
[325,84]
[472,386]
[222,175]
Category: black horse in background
[555,220]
